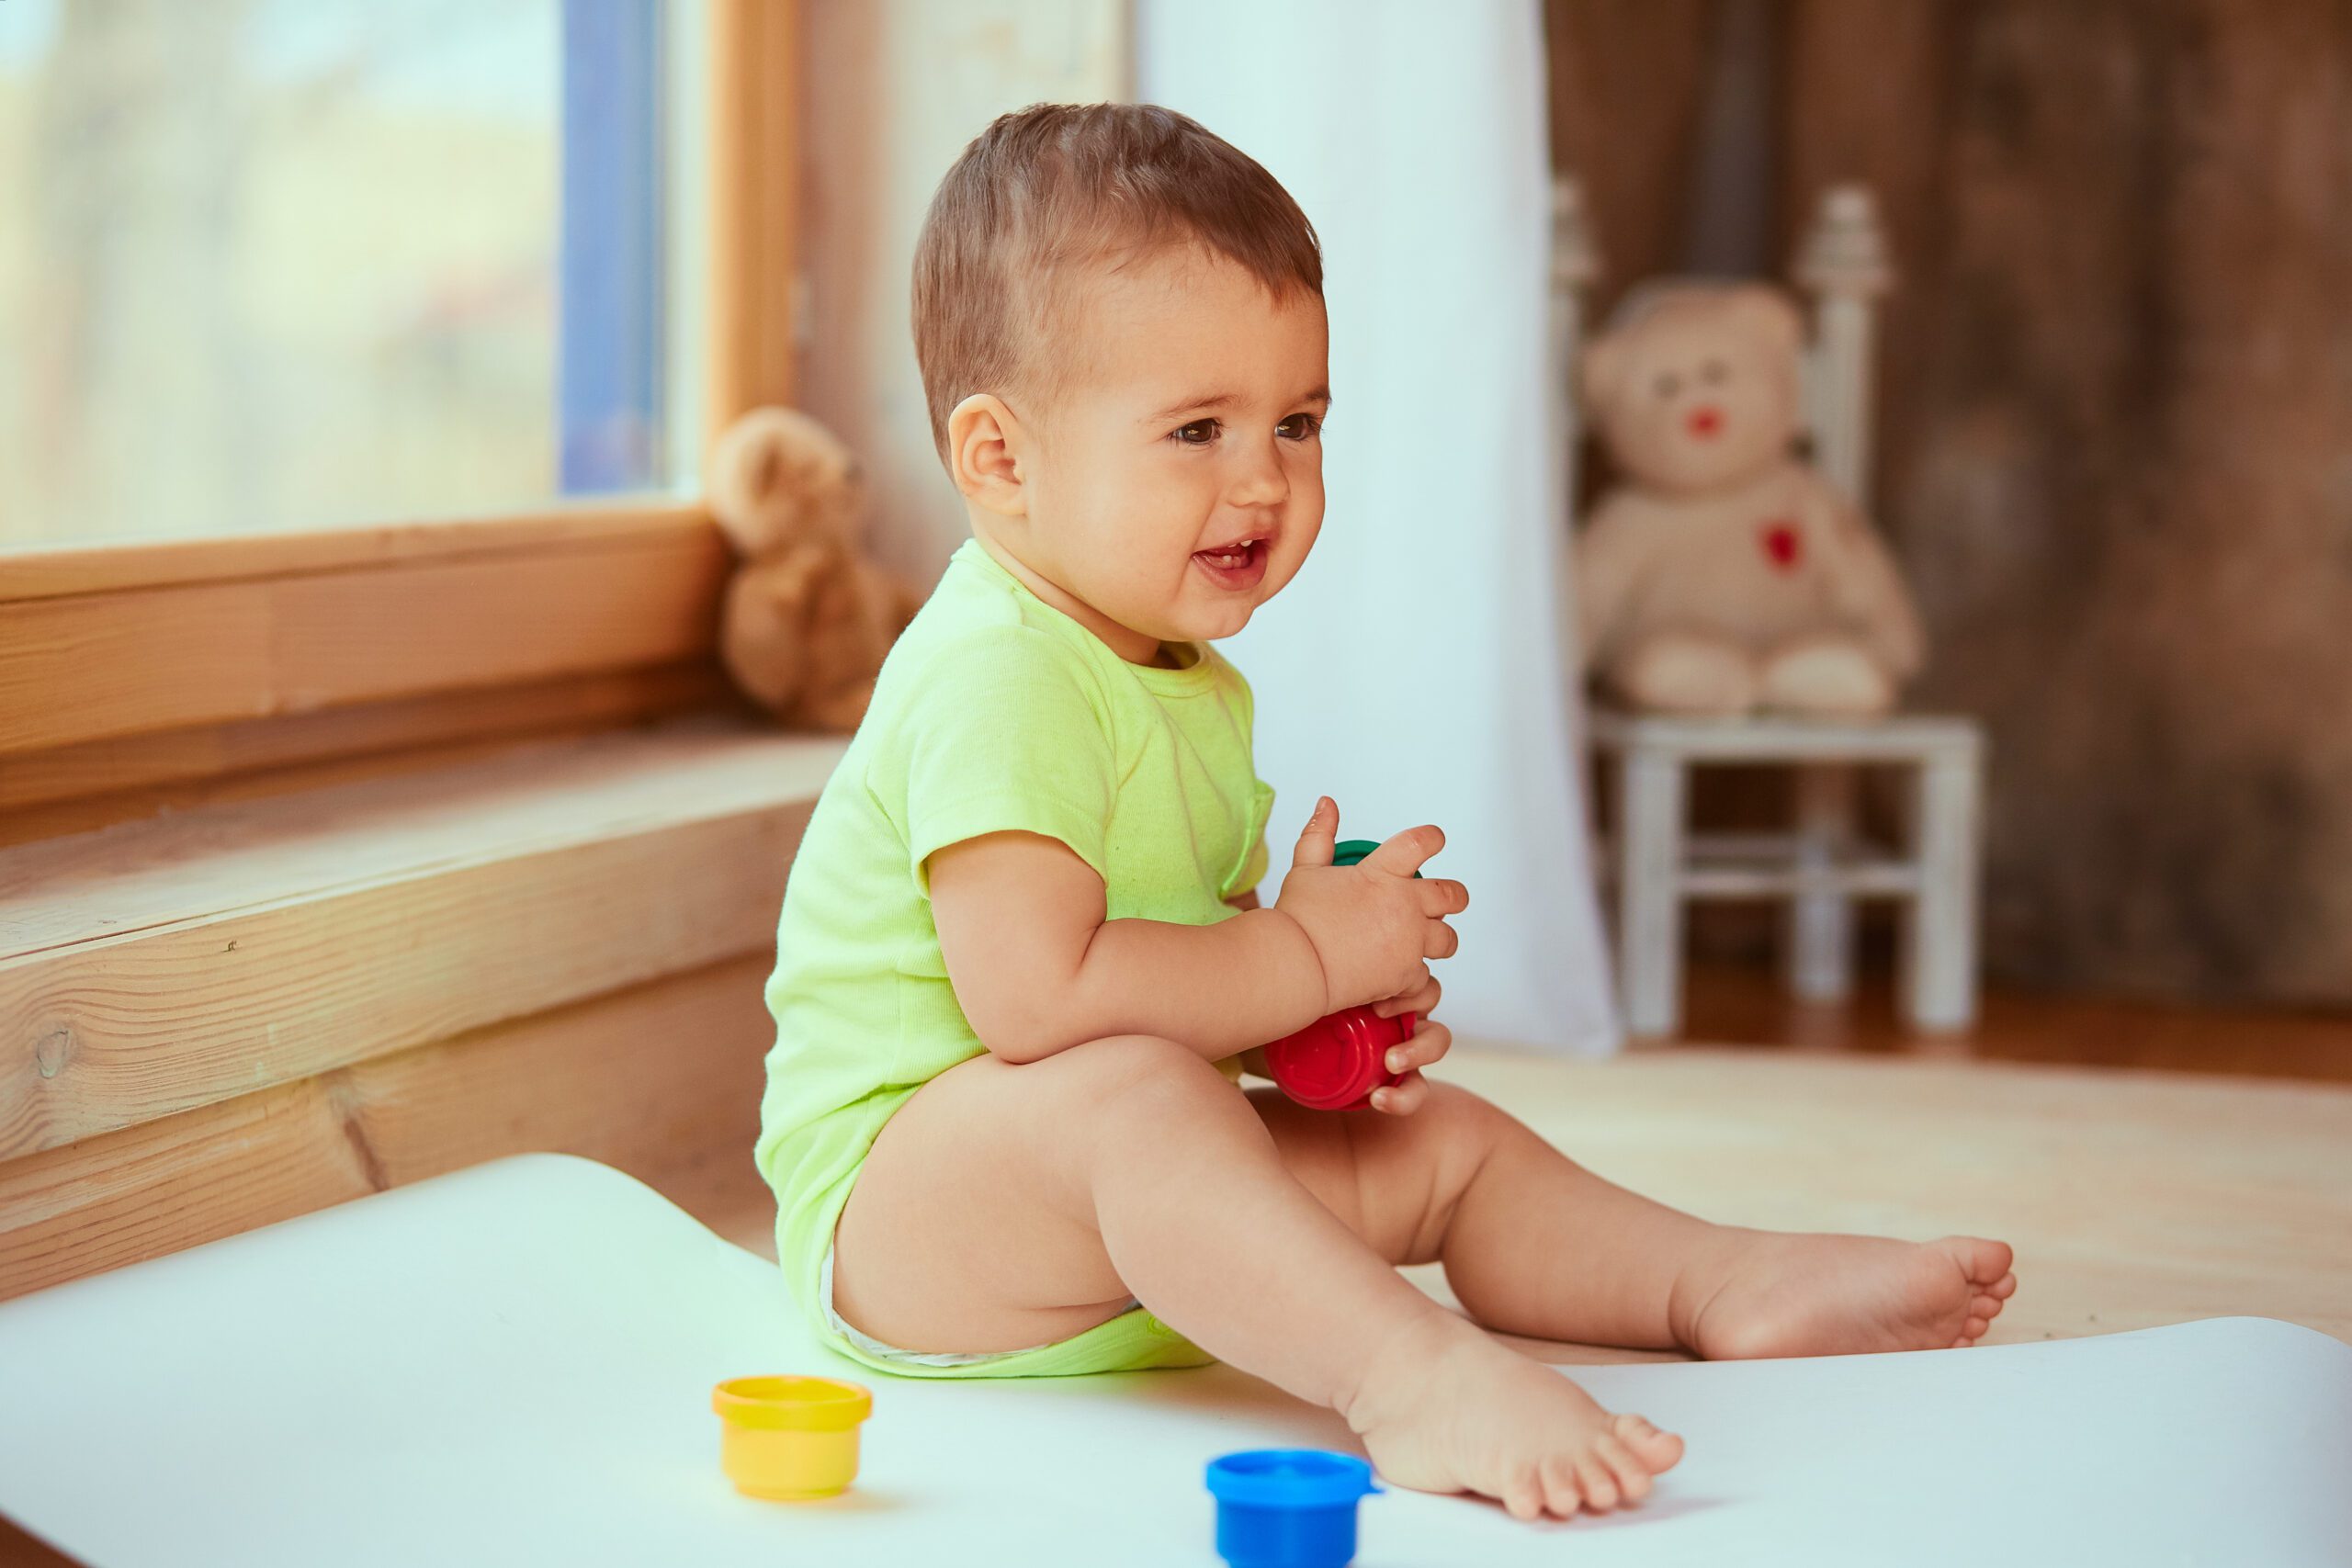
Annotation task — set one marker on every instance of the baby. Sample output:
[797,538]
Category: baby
[1023,968]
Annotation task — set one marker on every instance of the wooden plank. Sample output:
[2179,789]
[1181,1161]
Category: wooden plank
[162,965]
[662,1081]
[89,666]
[53,572]
[754,206]
[101,782]
[265,853]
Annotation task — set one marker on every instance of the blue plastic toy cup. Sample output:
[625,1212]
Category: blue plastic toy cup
[1287,1507]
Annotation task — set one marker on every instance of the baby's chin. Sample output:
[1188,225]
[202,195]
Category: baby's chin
[1210,626]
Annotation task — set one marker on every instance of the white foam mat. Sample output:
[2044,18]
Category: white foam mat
[513,1364]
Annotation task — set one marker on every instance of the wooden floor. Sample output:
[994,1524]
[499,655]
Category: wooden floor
[1747,1005]
[2134,1198]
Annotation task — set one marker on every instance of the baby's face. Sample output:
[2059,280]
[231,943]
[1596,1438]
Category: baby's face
[1176,483]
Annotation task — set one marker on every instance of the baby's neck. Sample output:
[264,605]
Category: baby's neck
[1135,647]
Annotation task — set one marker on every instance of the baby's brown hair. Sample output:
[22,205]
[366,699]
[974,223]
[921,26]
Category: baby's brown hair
[1048,190]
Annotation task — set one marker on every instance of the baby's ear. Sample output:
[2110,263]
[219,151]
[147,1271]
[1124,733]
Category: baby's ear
[983,454]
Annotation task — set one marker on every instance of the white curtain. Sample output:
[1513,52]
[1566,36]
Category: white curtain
[1412,671]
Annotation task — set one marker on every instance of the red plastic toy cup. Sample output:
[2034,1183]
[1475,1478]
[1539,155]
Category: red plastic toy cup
[1334,1063]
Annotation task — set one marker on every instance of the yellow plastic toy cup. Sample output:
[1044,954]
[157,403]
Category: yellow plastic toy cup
[789,1438]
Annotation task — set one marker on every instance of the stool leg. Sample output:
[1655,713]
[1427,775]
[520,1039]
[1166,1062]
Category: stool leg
[1821,922]
[1940,935]
[1651,788]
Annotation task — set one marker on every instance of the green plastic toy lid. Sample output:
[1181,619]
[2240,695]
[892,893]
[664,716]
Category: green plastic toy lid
[1346,852]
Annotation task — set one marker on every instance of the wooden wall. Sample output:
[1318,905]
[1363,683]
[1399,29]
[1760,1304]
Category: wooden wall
[2117,407]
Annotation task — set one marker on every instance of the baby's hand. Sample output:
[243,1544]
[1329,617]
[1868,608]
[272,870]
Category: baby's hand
[1429,1041]
[1420,1001]
[1373,924]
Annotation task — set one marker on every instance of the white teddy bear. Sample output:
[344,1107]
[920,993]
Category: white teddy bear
[1726,574]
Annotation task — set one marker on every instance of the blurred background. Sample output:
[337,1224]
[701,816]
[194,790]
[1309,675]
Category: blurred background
[286,264]
[275,263]
[2114,416]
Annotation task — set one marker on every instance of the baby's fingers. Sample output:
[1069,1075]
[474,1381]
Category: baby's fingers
[1402,1097]
[1420,1001]
[1430,1044]
[1442,896]
[1439,941]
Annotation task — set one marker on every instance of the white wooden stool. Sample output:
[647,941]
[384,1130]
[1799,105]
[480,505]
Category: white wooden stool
[1821,867]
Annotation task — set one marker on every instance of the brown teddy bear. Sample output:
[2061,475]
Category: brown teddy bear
[1725,574]
[807,620]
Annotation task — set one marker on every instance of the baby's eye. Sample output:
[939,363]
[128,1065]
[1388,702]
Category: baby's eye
[1666,385]
[1715,372]
[1306,425]
[1199,433]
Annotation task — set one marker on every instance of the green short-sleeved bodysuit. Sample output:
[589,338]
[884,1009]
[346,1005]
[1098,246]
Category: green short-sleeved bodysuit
[993,711]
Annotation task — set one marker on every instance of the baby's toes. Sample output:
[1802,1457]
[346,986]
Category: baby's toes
[2003,1288]
[1983,1262]
[1632,1476]
[1658,1451]
[1562,1493]
[1523,1494]
[1600,1487]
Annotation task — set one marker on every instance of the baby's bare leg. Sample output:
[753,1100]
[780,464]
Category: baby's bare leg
[1005,1206]
[1008,1205]
[1532,1243]
[1536,1243]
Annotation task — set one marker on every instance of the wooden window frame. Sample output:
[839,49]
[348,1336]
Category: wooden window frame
[143,673]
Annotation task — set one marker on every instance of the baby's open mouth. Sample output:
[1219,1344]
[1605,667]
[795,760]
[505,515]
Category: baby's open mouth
[1237,565]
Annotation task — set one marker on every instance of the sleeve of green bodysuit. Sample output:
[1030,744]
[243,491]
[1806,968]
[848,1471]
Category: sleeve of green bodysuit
[1004,733]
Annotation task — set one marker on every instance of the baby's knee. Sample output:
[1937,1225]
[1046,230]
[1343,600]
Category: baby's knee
[1460,1119]
[1122,1069]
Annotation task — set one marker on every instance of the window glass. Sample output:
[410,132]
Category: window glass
[272,264]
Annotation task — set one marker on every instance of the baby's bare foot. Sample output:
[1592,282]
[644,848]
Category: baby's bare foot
[1769,1294]
[1446,1409]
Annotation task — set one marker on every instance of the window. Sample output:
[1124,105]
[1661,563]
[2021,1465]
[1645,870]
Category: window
[279,265]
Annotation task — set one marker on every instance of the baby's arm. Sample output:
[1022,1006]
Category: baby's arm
[1253,1060]
[1038,968]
